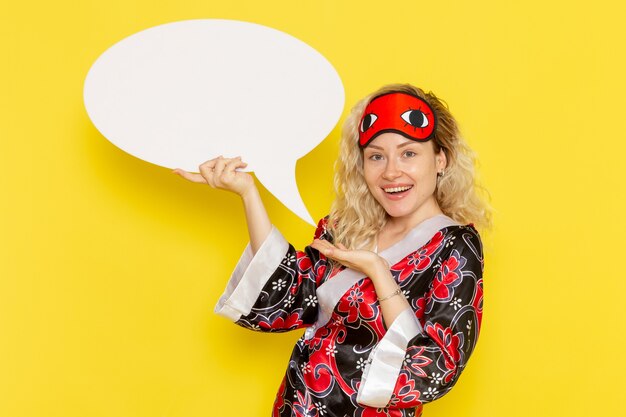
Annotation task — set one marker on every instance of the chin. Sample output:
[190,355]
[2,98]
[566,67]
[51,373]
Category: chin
[398,211]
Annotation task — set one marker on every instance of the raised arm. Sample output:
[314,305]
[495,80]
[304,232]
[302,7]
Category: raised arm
[377,269]
[222,173]
[420,360]
[417,362]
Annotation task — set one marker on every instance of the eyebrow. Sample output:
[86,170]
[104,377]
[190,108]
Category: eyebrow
[409,142]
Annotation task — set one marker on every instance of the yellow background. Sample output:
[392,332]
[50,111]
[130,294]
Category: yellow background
[110,267]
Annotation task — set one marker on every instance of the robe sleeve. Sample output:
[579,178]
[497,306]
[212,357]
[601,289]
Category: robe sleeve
[419,361]
[275,289]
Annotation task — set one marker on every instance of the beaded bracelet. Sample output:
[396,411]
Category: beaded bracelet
[393,294]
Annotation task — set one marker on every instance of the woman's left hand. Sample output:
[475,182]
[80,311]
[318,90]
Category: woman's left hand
[365,261]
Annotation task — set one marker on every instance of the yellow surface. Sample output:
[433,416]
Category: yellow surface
[110,267]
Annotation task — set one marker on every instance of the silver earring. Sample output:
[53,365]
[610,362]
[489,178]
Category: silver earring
[441,174]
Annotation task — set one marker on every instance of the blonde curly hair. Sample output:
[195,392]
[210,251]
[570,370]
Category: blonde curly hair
[356,217]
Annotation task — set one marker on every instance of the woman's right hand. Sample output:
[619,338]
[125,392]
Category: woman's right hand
[221,173]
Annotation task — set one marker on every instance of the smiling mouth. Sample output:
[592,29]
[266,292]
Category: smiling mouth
[397,190]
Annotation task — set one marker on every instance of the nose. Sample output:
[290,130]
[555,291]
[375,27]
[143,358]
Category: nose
[391,170]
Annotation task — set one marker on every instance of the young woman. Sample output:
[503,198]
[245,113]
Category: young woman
[390,291]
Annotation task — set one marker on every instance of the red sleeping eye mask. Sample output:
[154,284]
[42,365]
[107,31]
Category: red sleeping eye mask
[401,113]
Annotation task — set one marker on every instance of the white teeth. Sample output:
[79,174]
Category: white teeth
[397,189]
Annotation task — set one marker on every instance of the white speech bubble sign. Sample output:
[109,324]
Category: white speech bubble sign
[182,93]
